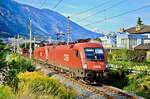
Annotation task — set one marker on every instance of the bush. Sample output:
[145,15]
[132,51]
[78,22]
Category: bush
[135,55]
[17,64]
[6,93]
[118,55]
[148,60]
[128,55]
[36,82]
[139,84]
[117,78]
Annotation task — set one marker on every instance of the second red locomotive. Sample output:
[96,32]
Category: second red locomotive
[82,60]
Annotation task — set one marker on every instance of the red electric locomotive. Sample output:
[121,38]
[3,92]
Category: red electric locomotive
[82,60]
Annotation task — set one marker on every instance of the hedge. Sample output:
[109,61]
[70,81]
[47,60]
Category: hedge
[127,55]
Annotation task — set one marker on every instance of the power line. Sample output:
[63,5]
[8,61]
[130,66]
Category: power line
[57,4]
[98,12]
[87,10]
[121,14]
[42,3]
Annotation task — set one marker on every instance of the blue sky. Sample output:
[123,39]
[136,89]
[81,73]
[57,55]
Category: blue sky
[74,7]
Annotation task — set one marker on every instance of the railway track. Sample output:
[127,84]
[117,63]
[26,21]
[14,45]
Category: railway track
[104,91]
[98,92]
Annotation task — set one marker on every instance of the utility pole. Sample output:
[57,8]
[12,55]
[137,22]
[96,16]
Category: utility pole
[30,39]
[34,42]
[68,30]
[14,49]
[25,43]
[18,47]
[49,40]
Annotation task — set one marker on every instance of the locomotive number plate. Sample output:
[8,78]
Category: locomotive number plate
[97,66]
[66,57]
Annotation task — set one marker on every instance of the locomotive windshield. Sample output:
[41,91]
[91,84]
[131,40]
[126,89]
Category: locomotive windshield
[94,53]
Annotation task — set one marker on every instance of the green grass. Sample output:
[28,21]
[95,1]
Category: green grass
[6,92]
[37,82]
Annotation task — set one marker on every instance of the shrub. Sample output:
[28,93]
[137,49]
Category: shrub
[139,84]
[2,58]
[118,55]
[135,55]
[17,64]
[117,78]
[128,55]
[37,82]
[6,93]
[148,60]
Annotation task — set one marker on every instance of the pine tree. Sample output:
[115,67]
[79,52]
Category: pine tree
[139,21]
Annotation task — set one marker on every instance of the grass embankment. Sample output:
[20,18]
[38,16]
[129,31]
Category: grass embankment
[22,81]
[36,83]
[124,61]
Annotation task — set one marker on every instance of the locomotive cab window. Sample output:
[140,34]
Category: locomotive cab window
[77,53]
[94,54]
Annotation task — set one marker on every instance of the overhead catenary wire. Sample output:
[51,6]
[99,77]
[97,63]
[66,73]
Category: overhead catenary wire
[92,8]
[43,3]
[104,10]
[57,4]
[121,14]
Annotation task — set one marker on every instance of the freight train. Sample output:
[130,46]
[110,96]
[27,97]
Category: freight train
[84,60]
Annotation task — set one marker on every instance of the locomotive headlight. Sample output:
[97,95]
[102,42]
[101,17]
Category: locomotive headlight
[107,65]
[85,66]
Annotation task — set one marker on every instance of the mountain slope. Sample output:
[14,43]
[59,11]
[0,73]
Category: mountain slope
[14,19]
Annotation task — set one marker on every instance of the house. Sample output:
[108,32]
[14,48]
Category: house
[140,29]
[144,47]
[134,36]
[108,41]
[129,41]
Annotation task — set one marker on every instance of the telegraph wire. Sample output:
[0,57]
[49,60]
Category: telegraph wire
[121,14]
[57,4]
[104,10]
[87,10]
[43,3]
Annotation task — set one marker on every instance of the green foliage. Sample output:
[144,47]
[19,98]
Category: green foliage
[36,82]
[17,64]
[129,65]
[137,56]
[139,84]
[128,55]
[98,39]
[3,55]
[3,52]
[139,21]
[118,55]
[118,78]
[6,93]
[148,60]
[2,59]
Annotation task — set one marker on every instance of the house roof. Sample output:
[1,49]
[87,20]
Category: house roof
[143,47]
[144,29]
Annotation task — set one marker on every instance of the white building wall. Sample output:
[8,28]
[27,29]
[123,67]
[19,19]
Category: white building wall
[148,34]
[139,41]
[146,41]
[106,41]
[119,40]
